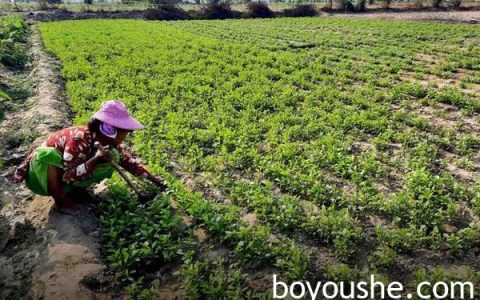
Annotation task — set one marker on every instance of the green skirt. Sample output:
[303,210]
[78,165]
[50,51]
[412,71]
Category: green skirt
[37,177]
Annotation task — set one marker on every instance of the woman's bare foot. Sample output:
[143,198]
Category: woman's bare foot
[63,202]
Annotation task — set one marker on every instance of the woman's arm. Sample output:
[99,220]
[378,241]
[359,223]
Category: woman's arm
[75,165]
[156,180]
[132,165]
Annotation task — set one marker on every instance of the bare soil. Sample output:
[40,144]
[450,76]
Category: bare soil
[451,16]
[43,254]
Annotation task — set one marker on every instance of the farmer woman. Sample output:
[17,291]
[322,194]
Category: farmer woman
[67,160]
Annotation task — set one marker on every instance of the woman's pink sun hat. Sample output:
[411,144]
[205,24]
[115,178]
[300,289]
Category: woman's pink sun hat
[115,113]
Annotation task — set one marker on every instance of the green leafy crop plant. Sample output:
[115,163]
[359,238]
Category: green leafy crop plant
[12,39]
[339,136]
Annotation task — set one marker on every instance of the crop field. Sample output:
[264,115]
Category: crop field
[12,55]
[312,148]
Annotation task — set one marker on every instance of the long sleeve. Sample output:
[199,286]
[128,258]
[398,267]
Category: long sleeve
[74,143]
[74,158]
[130,163]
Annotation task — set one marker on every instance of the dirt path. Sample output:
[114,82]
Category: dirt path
[472,17]
[43,254]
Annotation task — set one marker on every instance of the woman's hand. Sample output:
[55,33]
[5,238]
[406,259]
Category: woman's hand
[103,156]
[100,157]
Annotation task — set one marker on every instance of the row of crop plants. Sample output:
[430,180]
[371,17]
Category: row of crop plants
[274,114]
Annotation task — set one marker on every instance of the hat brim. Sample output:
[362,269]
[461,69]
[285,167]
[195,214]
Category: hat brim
[128,123]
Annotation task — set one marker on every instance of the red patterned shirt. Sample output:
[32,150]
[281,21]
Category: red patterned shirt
[76,146]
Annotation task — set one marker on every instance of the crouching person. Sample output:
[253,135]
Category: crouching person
[67,162]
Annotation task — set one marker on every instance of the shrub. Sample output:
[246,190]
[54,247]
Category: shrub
[328,7]
[436,3]
[348,6]
[417,4]
[300,10]
[336,4]
[344,5]
[455,3]
[47,4]
[169,2]
[386,4]
[361,5]
[166,12]
[259,10]
[217,11]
